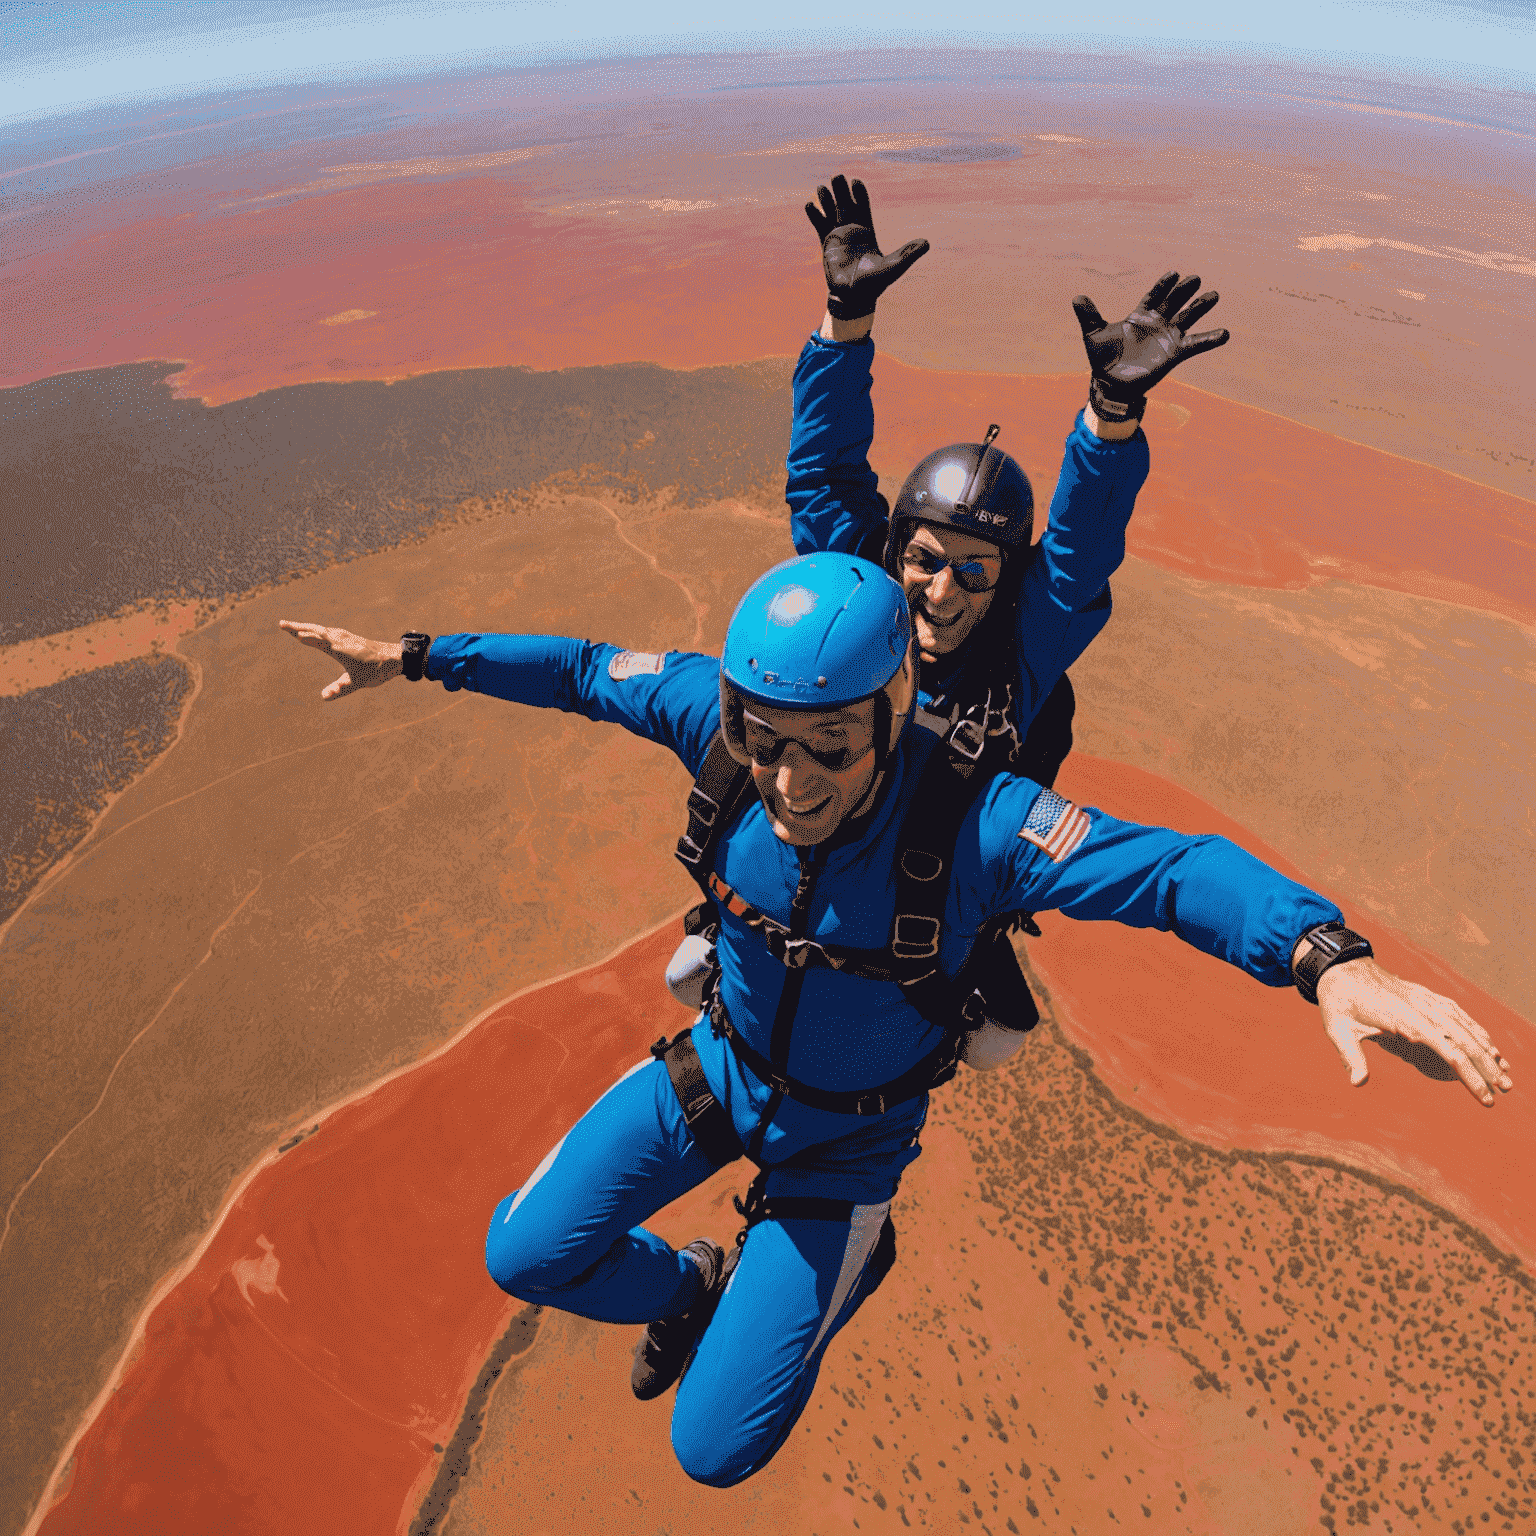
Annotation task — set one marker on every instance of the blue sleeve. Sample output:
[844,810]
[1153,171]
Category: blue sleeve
[1205,890]
[833,494]
[673,699]
[1084,541]
[1065,600]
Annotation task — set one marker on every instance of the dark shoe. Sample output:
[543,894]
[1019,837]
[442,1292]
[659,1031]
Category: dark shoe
[667,1344]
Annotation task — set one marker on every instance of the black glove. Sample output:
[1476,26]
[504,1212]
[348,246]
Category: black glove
[857,274]
[1128,358]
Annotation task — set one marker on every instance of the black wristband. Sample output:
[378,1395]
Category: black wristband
[1327,944]
[1107,409]
[413,653]
[848,309]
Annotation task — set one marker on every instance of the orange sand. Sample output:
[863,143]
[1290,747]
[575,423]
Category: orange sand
[334,1320]
[1194,1043]
[1240,495]
[459,274]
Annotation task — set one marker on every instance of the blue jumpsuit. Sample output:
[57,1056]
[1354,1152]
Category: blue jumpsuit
[835,504]
[572,1237]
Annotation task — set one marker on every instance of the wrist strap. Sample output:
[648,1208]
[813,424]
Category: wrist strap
[1115,410]
[841,308]
[413,654]
[1328,944]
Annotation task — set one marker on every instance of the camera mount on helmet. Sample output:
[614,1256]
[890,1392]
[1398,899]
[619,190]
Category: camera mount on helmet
[974,488]
[819,633]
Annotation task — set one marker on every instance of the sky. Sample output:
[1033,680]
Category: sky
[56,58]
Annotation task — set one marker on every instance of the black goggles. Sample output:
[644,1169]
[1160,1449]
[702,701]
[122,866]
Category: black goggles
[972,575]
[765,747]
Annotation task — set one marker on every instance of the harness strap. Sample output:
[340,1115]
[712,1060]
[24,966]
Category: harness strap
[801,954]
[708,1121]
[970,729]
[716,796]
[924,863]
[760,1206]
[937,1067]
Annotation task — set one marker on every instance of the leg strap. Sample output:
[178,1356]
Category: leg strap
[708,1121]
[759,1205]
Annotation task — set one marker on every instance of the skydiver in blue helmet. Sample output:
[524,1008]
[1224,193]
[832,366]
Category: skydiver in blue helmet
[852,866]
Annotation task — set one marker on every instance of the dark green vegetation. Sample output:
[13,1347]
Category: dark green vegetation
[77,742]
[133,496]
[126,495]
[1385,1341]
[521,1333]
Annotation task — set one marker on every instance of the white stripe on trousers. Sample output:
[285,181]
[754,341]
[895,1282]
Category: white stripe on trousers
[863,1233]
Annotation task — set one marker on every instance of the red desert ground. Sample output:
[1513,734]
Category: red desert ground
[299,992]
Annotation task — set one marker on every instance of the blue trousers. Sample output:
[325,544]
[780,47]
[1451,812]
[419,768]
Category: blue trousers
[571,1238]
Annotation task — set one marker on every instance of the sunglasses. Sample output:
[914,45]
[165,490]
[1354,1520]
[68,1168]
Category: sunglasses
[971,575]
[765,747]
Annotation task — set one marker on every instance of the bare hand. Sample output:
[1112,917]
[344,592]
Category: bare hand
[368,662]
[1359,999]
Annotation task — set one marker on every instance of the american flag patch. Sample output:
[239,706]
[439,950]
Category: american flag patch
[1055,826]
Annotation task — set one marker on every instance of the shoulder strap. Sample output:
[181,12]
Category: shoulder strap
[717,794]
[925,863]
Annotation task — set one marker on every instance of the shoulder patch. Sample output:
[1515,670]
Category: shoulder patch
[1055,826]
[634,664]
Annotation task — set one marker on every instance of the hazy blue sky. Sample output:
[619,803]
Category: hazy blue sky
[58,56]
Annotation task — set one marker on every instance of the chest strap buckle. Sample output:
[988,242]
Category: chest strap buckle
[968,739]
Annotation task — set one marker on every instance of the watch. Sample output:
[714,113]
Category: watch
[1327,944]
[413,653]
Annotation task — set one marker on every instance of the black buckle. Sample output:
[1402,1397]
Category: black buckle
[915,949]
[870,1104]
[970,728]
[702,806]
[801,954]
[688,850]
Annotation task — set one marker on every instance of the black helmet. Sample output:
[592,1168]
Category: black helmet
[973,487]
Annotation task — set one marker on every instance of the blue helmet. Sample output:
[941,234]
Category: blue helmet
[816,633]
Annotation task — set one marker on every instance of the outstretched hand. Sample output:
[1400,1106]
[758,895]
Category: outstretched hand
[1130,356]
[368,662]
[1360,999]
[857,272]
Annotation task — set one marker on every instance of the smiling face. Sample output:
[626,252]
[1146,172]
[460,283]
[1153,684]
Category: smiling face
[944,614]
[806,800]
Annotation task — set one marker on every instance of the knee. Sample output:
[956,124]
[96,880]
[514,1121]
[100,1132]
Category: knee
[515,1263]
[709,1453]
